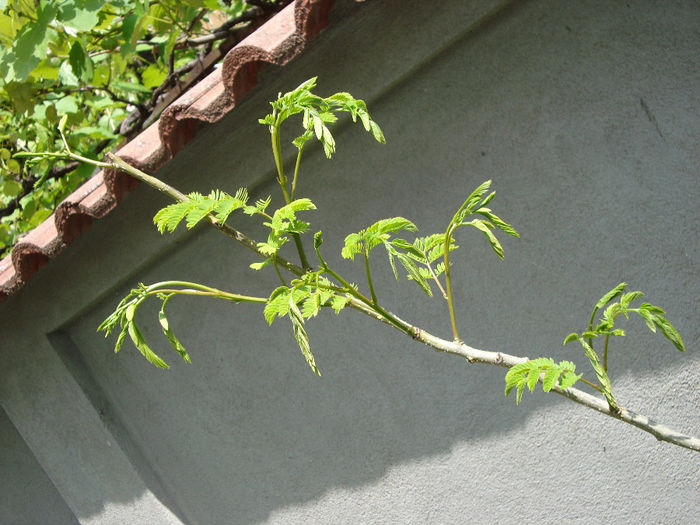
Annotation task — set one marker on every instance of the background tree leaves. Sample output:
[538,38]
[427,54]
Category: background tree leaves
[97,62]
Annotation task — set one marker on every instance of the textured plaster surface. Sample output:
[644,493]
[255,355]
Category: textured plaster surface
[584,114]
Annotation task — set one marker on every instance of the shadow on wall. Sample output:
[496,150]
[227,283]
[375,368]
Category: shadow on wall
[21,476]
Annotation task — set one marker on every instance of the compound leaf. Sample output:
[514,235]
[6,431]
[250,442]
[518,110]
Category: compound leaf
[300,334]
[485,228]
[140,343]
[174,341]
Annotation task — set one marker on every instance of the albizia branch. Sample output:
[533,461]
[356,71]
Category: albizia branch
[473,355]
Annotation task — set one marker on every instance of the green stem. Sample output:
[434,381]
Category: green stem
[590,328]
[369,278]
[605,353]
[180,197]
[373,306]
[279,274]
[302,255]
[592,385]
[296,172]
[200,289]
[277,153]
[144,177]
[448,284]
[435,278]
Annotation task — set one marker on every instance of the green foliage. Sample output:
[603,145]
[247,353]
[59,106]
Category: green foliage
[284,222]
[312,291]
[305,296]
[123,317]
[95,63]
[197,206]
[174,341]
[300,335]
[426,252]
[476,204]
[378,233]
[316,113]
[544,369]
[652,315]
[405,252]
[125,313]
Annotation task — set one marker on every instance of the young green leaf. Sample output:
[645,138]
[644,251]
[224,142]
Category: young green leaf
[261,265]
[121,339]
[543,368]
[300,334]
[600,373]
[338,302]
[140,343]
[550,378]
[608,297]
[174,342]
[169,217]
[497,221]
[413,273]
[311,306]
[377,132]
[471,202]
[570,337]
[277,304]
[669,332]
[627,298]
[485,228]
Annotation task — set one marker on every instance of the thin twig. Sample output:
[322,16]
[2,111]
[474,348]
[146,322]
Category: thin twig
[475,355]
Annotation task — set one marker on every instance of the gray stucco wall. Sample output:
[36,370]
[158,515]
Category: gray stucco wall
[584,114]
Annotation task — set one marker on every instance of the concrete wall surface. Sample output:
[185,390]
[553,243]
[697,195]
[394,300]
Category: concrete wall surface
[584,114]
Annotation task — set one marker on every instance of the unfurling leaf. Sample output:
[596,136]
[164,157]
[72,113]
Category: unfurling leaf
[485,228]
[669,332]
[607,298]
[316,113]
[600,373]
[378,233]
[471,202]
[140,343]
[174,341]
[300,334]
[571,337]
[377,132]
[497,221]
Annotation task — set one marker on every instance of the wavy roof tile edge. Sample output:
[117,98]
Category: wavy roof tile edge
[277,41]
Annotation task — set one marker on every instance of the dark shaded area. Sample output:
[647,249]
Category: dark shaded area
[27,495]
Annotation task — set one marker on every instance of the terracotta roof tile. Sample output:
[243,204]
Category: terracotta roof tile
[278,41]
